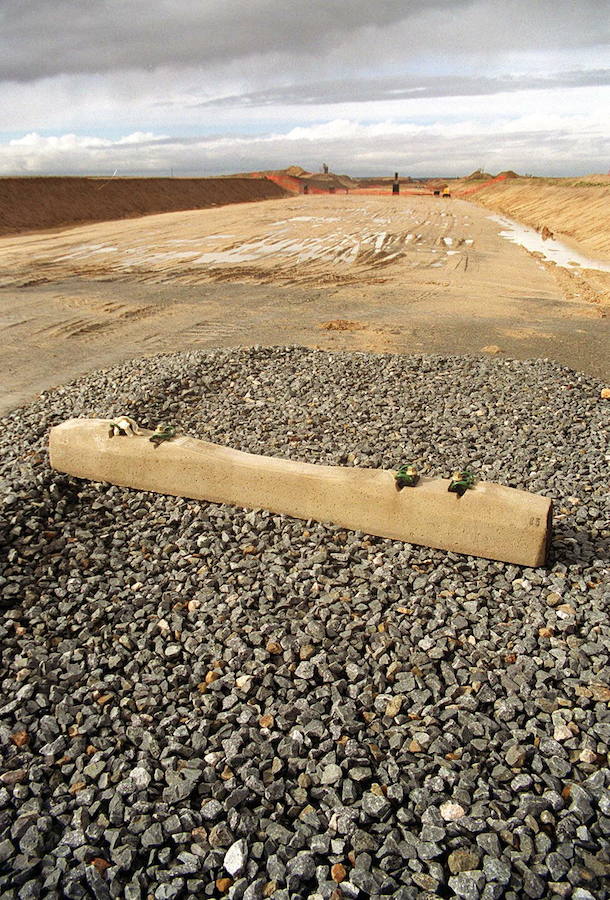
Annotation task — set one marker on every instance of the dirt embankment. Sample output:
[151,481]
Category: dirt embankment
[33,203]
[576,211]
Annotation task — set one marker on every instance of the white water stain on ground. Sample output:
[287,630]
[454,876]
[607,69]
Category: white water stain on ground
[552,250]
[88,250]
[312,242]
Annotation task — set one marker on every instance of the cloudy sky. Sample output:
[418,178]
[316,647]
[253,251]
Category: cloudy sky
[203,87]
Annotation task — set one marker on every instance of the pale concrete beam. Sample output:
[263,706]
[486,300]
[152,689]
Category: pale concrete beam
[489,520]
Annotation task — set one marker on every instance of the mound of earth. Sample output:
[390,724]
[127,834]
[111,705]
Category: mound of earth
[328,180]
[478,175]
[576,212]
[32,203]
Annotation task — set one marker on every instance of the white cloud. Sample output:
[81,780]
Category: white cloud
[66,153]
[141,137]
[536,143]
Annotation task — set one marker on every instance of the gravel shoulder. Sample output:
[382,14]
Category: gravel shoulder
[199,700]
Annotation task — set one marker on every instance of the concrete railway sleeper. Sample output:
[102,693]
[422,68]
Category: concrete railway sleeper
[460,515]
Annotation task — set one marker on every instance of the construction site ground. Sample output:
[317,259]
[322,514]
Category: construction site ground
[400,274]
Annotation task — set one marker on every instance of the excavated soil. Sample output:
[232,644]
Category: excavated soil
[577,211]
[29,204]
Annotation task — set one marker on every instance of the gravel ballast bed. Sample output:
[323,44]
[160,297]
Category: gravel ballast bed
[198,700]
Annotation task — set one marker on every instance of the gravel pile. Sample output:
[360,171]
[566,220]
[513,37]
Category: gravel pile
[198,700]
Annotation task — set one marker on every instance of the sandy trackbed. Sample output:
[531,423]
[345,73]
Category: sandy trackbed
[404,274]
[29,204]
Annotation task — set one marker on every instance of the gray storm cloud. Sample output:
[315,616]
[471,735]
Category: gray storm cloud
[406,88]
[39,38]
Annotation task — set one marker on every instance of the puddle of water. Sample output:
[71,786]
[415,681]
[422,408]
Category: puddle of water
[552,250]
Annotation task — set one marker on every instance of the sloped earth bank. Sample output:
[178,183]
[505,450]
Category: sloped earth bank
[28,204]
[406,274]
[199,700]
[576,210]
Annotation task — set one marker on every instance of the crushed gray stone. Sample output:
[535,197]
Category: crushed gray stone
[185,684]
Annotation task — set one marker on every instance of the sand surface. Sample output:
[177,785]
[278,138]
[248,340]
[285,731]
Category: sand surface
[406,274]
